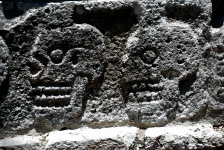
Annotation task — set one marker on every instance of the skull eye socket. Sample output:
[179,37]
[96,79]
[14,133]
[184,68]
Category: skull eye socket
[56,56]
[149,56]
[74,59]
[41,58]
[34,67]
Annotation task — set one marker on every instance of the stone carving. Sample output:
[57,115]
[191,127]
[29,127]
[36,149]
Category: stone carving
[161,73]
[72,66]
[61,64]
[61,68]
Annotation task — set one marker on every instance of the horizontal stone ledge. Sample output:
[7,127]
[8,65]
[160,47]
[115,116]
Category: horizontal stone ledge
[180,136]
[198,136]
[83,137]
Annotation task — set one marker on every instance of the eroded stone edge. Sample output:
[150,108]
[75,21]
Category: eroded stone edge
[197,135]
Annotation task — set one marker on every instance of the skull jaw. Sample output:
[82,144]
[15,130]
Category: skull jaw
[154,113]
[64,114]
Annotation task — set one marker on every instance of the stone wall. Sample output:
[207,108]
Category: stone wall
[111,74]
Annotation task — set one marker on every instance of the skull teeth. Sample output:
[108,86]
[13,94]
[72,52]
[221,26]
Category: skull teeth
[44,97]
[51,91]
[51,96]
[42,88]
[146,96]
[144,92]
[145,87]
[52,100]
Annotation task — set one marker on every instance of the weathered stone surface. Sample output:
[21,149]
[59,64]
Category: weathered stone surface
[195,136]
[215,53]
[199,136]
[158,85]
[99,63]
[84,138]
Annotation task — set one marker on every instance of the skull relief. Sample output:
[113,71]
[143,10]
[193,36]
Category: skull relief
[160,78]
[63,62]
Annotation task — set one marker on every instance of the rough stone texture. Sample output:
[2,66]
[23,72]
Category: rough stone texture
[84,138]
[195,136]
[199,136]
[65,65]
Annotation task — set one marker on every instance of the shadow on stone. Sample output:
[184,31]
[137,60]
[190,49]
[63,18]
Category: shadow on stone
[16,8]
[109,21]
[217,13]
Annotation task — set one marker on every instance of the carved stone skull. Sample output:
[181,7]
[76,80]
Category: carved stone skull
[62,63]
[161,75]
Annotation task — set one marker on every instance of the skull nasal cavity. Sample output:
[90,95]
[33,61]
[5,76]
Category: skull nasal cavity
[56,56]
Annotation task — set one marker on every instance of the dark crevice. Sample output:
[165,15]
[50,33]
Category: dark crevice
[220,95]
[64,128]
[217,13]
[183,12]
[108,21]
[16,8]
[186,83]
[4,89]
[180,61]
[3,33]
[74,59]
[62,102]
[13,12]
